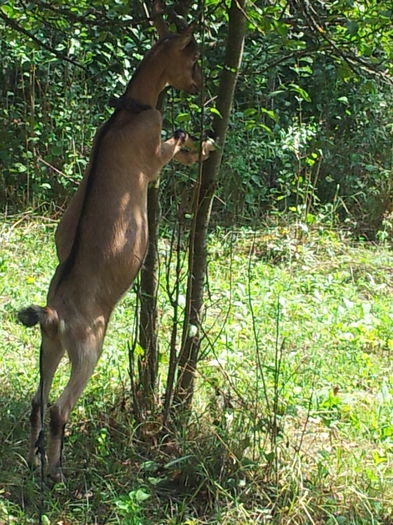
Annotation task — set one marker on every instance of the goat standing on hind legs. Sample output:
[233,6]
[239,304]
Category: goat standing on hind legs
[101,240]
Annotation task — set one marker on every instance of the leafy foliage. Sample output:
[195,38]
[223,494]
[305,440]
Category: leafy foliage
[56,95]
[312,121]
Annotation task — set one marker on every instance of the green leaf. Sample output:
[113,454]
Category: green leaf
[183,117]
[302,92]
[270,113]
[177,461]
[139,495]
[8,10]
[21,168]
[139,351]
[215,112]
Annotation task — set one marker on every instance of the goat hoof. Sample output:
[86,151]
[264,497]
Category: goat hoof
[210,145]
[180,135]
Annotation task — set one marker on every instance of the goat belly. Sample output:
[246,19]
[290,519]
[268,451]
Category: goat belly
[125,258]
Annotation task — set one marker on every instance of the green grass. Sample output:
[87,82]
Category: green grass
[293,410]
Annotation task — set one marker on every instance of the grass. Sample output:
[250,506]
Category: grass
[293,410]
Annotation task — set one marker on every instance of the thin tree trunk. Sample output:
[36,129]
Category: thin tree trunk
[148,365]
[191,336]
[148,334]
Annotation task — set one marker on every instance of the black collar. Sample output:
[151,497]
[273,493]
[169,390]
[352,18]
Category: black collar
[129,104]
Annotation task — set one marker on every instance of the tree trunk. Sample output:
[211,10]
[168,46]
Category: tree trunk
[148,335]
[148,365]
[204,192]
[146,308]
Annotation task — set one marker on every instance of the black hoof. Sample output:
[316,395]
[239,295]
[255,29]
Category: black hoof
[180,135]
[210,134]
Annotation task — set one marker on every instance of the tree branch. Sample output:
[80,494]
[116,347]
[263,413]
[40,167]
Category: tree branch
[350,59]
[16,27]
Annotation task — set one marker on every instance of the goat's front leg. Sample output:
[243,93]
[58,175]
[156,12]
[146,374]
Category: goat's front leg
[171,147]
[192,154]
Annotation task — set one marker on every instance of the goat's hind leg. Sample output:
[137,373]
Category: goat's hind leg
[51,352]
[83,355]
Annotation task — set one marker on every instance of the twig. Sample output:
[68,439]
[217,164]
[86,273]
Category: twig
[40,159]
[321,30]
[14,25]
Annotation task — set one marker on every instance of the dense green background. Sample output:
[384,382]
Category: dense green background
[311,130]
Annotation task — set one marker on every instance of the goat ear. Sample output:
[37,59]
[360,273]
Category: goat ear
[186,36]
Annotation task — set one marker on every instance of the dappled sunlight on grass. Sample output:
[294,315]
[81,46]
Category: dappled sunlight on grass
[293,408]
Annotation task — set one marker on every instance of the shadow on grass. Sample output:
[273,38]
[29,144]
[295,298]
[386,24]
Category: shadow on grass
[99,465]
[19,488]
[107,463]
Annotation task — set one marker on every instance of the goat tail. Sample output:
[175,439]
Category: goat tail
[46,316]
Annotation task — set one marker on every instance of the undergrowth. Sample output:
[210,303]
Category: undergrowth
[292,419]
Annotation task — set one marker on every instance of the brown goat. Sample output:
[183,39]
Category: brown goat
[101,240]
